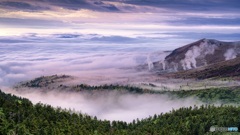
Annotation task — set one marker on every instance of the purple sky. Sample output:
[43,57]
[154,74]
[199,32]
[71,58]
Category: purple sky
[150,19]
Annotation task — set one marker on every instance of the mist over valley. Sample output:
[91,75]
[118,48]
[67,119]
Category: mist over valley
[119,67]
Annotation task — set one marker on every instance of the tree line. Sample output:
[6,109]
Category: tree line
[20,116]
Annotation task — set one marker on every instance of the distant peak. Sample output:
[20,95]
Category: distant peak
[208,39]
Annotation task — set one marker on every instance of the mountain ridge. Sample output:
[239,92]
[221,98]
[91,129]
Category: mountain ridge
[197,54]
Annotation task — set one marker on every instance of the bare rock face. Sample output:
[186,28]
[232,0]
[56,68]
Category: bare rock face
[198,54]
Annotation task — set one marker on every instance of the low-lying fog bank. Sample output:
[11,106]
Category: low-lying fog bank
[110,105]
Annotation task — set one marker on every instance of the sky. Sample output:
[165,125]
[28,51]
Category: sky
[163,21]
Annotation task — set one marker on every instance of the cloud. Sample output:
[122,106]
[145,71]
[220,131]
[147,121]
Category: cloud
[27,5]
[114,39]
[188,4]
[16,5]
[152,6]
[74,37]
[25,61]
[110,7]
[64,14]
[11,41]
[67,35]
[217,20]
[200,35]
[19,22]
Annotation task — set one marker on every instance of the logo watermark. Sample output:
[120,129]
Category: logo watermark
[223,129]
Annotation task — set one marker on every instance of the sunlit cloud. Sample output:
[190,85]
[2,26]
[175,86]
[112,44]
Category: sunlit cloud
[120,18]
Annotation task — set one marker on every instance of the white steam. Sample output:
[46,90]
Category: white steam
[197,52]
[158,56]
[230,54]
[150,63]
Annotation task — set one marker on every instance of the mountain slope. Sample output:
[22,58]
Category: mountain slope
[229,68]
[200,53]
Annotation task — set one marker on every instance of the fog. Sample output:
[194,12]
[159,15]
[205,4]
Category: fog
[109,105]
[25,61]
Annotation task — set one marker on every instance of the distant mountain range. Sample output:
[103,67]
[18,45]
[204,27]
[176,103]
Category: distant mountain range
[201,53]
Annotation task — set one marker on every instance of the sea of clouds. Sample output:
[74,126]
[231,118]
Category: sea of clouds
[27,57]
[101,59]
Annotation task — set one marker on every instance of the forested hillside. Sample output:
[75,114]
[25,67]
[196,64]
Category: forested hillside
[20,116]
[225,95]
[211,95]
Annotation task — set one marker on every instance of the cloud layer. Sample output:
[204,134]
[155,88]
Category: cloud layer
[116,5]
[122,17]
[89,57]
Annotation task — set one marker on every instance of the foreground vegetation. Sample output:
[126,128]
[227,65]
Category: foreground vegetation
[20,116]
